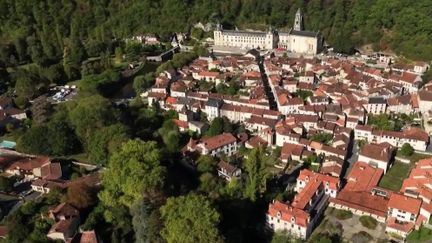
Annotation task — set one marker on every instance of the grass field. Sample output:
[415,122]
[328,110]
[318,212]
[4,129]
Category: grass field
[421,235]
[394,177]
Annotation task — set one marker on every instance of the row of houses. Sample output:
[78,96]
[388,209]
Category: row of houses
[401,211]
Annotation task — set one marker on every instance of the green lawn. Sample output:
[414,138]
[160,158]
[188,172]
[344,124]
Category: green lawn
[414,157]
[394,177]
[421,235]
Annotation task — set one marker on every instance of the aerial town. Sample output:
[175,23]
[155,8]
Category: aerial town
[332,146]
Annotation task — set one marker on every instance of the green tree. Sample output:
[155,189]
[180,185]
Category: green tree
[142,82]
[256,167]
[133,50]
[170,135]
[216,127]
[322,137]
[25,87]
[133,172]
[61,137]
[119,55]
[206,163]
[90,114]
[281,237]
[146,220]
[34,141]
[406,150]
[6,184]
[105,141]
[189,219]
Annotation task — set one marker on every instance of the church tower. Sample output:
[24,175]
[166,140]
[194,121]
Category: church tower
[298,22]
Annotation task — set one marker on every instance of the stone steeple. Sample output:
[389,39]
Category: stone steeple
[298,22]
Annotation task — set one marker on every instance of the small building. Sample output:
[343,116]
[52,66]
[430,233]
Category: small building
[64,230]
[377,155]
[228,171]
[224,143]
[376,105]
[300,217]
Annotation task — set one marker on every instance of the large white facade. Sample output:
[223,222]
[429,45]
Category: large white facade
[296,40]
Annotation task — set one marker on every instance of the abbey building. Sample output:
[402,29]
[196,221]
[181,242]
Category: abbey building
[297,40]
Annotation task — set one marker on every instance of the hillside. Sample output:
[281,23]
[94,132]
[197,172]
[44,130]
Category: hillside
[40,32]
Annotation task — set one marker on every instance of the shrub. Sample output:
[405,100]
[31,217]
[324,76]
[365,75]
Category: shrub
[342,214]
[368,222]
[361,237]
[406,150]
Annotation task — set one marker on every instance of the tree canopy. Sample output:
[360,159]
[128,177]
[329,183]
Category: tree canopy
[190,219]
[256,166]
[133,172]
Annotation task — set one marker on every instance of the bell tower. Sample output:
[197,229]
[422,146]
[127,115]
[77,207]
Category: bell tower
[298,22]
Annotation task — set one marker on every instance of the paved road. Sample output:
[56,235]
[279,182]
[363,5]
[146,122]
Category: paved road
[269,93]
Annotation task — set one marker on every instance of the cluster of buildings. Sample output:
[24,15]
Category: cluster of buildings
[43,173]
[66,226]
[313,110]
[401,211]
[296,40]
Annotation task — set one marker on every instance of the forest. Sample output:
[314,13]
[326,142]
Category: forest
[48,31]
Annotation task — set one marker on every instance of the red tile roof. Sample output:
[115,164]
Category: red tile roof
[363,177]
[29,163]
[404,203]
[362,200]
[400,226]
[288,212]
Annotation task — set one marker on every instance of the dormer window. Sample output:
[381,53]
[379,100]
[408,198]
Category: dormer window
[278,214]
[292,219]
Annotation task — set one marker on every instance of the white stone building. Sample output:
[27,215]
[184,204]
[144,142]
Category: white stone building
[297,40]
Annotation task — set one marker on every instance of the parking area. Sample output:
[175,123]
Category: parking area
[60,94]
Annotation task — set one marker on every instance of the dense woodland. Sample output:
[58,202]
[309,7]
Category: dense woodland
[48,30]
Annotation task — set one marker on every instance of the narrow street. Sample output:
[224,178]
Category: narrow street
[267,89]
[351,160]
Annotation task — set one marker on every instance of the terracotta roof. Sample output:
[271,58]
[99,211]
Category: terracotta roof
[208,74]
[64,226]
[226,167]
[400,226]
[416,133]
[51,171]
[363,177]
[288,212]
[307,175]
[425,95]
[211,143]
[3,230]
[362,200]
[257,141]
[379,152]
[405,203]
[181,124]
[65,210]
[29,163]
[289,149]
